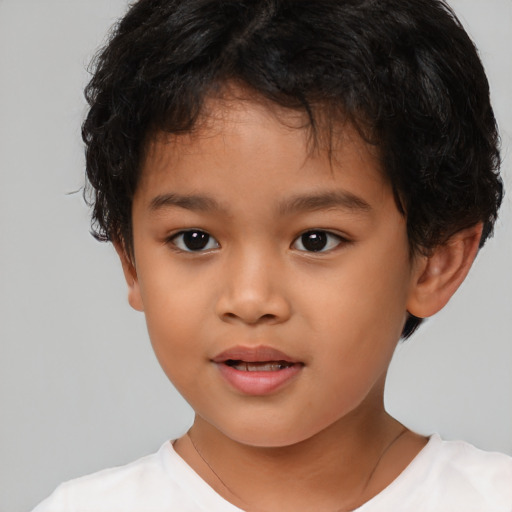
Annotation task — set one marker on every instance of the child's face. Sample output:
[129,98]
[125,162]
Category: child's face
[245,240]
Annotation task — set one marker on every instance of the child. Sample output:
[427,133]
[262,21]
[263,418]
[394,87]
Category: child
[291,186]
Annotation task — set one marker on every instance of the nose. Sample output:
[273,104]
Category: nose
[253,290]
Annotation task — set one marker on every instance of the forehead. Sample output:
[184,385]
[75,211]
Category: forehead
[242,143]
[237,111]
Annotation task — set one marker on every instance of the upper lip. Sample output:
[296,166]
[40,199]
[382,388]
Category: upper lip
[260,353]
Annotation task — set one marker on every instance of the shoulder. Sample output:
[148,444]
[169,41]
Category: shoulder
[449,476]
[156,483]
[483,470]
[147,480]
[457,474]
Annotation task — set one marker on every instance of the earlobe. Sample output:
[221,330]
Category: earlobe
[439,275]
[130,275]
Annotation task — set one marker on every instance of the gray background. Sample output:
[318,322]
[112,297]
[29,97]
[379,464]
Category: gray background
[79,386]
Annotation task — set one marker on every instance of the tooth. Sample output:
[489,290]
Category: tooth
[267,366]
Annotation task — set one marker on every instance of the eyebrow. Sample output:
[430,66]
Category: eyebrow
[188,202]
[322,201]
[308,202]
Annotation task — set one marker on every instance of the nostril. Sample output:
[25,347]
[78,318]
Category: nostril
[247,306]
[267,317]
[250,319]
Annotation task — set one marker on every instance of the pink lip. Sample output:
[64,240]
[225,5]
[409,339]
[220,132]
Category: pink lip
[256,382]
[253,355]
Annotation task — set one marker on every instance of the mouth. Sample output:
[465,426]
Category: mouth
[255,357]
[258,366]
[257,370]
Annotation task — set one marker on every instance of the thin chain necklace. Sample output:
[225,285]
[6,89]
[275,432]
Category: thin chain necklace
[368,480]
[213,470]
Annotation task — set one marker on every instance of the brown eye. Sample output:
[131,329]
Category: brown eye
[317,241]
[194,240]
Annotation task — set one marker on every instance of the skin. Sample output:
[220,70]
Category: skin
[313,443]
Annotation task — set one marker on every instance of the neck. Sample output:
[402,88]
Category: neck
[338,469]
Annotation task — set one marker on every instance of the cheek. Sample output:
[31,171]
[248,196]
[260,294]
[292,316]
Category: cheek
[361,310]
[170,292]
[360,299]
[174,306]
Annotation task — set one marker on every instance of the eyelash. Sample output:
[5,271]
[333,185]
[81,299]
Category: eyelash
[178,239]
[325,241]
[331,240]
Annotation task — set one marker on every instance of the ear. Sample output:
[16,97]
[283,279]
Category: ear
[130,274]
[438,275]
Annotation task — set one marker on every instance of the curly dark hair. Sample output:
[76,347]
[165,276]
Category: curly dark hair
[404,72]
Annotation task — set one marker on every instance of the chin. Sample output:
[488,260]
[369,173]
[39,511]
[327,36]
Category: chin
[270,434]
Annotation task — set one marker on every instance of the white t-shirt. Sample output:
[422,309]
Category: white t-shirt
[445,476]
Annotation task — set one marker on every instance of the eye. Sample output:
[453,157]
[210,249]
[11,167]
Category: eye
[194,240]
[317,241]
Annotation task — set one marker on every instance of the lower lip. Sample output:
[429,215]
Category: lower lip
[258,383]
